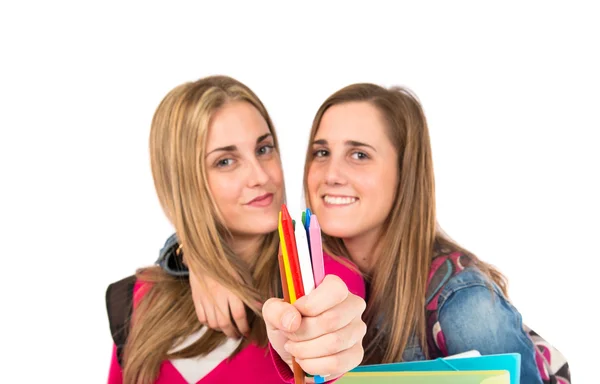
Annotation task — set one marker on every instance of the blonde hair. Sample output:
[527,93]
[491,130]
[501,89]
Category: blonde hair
[166,314]
[410,235]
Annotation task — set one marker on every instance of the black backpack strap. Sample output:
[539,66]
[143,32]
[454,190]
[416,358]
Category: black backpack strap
[119,295]
[119,304]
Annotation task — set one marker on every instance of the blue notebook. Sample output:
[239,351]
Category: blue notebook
[510,362]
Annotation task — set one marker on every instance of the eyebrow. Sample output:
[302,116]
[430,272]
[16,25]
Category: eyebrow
[232,148]
[348,143]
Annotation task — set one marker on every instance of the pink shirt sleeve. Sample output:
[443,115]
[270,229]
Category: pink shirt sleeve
[115,375]
[356,285]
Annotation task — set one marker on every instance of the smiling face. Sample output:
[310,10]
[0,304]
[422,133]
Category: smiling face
[353,173]
[244,170]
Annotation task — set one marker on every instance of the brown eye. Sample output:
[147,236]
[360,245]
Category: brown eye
[359,155]
[320,153]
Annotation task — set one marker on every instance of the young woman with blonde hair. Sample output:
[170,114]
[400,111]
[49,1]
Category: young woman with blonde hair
[218,175]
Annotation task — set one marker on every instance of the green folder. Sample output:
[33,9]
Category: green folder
[435,377]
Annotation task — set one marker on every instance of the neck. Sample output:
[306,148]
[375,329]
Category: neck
[246,247]
[364,249]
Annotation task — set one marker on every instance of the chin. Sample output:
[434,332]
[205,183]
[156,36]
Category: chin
[264,227]
[254,227]
[337,230]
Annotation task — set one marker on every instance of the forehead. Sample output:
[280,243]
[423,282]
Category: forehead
[236,123]
[360,121]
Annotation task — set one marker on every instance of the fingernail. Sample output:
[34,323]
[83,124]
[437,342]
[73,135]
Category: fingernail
[286,346]
[288,319]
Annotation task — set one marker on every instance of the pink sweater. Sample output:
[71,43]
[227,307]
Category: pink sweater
[252,364]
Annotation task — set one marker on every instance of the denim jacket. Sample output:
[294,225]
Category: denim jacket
[168,260]
[471,316]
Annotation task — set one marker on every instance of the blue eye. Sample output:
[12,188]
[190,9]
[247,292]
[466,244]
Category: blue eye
[224,163]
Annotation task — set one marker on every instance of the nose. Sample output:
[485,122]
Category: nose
[257,174]
[334,172]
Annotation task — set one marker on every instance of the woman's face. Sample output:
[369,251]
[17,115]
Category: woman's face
[244,170]
[353,174]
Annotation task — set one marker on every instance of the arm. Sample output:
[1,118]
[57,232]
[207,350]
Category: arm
[474,317]
[215,305]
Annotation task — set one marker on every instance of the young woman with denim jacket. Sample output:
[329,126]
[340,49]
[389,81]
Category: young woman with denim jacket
[369,180]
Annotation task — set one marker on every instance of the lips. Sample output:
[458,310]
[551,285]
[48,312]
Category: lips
[261,201]
[339,200]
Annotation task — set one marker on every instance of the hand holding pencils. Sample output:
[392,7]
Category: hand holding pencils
[316,310]
[296,264]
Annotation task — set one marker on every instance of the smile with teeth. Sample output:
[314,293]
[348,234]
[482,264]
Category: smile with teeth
[339,200]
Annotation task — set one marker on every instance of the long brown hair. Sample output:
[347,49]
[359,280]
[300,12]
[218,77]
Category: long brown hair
[165,315]
[410,234]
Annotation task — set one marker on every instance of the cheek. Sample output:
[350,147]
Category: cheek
[313,178]
[387,190]
[366,182]
[224,189]
[275,172]
[378,187]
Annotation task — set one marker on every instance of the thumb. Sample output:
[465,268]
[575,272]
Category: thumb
[281,316]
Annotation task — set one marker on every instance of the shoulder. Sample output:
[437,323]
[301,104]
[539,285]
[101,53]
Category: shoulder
[122,297]
[119,294]
[470,281]
[473,297]
[475,314]
[119,306]
[468,277]
[347,271]
[453,272]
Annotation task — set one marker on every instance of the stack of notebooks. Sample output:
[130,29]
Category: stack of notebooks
[302,269]
[488,369]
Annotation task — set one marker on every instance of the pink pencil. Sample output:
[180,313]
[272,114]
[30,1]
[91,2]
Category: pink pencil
[316,249]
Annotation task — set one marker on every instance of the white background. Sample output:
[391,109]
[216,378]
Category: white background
[510,91]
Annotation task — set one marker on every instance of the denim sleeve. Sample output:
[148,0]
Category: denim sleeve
[475,317]
[169,260]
